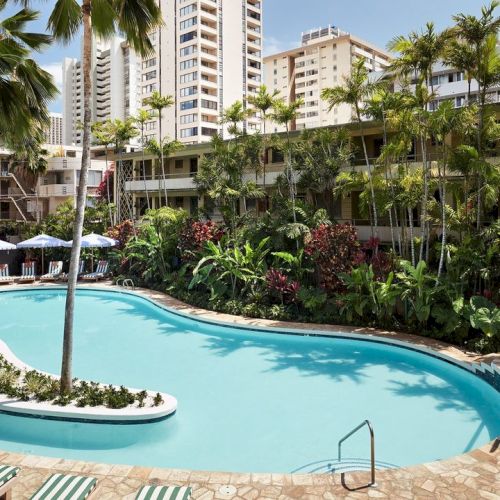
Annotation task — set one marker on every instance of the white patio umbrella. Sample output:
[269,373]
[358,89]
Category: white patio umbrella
[42,241]
[94,241]
[5,245]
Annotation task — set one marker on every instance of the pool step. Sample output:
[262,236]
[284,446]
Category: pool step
[347,464]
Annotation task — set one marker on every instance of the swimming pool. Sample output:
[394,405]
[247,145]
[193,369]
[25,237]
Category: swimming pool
[248,400]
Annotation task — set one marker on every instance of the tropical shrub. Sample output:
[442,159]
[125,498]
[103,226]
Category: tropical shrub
[193,236]
[334,249]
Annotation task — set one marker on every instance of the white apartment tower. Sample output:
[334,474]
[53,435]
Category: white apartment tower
[54,133]
[323,59]
[207,55]
[115,93]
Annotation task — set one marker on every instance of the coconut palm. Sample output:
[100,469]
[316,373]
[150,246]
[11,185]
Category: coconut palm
[158,102]
[103,136]
[25,89]
[134,19]
[460,55]
[263,102]
[162,152]
[143,116]
[286,114]
[355,91]
[234,116]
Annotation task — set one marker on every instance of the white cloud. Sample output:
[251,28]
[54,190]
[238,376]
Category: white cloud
[55,69]
[273,45]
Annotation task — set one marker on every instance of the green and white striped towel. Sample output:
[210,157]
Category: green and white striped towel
[164,493]
[63,487]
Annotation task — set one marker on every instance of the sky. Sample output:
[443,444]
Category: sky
[376,21]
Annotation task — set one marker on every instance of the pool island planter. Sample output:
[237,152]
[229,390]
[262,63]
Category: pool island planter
[74,413]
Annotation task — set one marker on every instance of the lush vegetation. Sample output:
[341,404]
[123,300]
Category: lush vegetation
[33,385]
[432,183]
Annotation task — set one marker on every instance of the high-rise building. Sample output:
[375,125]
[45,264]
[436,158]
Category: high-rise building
[207,55]
[54,133]
[323,60]
[115,78]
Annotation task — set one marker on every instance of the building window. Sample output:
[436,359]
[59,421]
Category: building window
[188,23]
[189,104]
[187,91]
[208,104]
[148,63]
[179,163]
[187,37]
[189,77]
[149,76]
[190,63]
[187,10]
[189,132]
[185,119]
[186,51]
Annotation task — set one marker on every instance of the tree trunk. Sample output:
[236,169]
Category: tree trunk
[370,179]
[412,240]
[443,217]
[161,160]
[107,188]
[66,368]
[144,167]
[423,218]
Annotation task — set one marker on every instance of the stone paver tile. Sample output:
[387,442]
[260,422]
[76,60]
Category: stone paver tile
[219,477]
[302,479]
[140,472]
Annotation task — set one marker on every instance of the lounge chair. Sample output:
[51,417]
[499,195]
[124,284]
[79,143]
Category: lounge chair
[8,477]
[64,487]
[81,270]
[5,278]
[100,272]
[27,273]
[164,493]
[55,270]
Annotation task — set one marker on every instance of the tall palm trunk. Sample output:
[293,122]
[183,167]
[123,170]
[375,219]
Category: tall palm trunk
[144,167]
[374,227]
[161,161]
[442,194]
[66,368]
[412,238]
[291,176]
[482,94]
[423,218]
[108,194]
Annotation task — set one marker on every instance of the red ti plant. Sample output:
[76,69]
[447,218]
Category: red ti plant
[279,285]
[195,234]
[335,249]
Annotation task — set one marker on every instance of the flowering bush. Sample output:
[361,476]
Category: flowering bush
[195,234]
[334,249]
[105,187]
[122,233]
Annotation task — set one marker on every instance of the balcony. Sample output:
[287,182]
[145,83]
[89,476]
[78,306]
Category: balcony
[57,190]
[173,182]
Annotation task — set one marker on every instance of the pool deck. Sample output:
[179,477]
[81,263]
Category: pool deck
[474,475]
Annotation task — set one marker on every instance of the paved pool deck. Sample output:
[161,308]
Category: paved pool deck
[474,475]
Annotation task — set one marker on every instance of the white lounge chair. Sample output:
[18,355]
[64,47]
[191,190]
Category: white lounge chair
[65,487]
[55,270]
[8,477]
[5,278]
[100,272]
[27,273]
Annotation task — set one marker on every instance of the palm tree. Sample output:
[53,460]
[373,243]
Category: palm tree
[25,89]
[460,55]
[158,102]
[143,116]
[263,101]
[121,132]
[103,136]
[286,114]
[418,53]
[233,116]
[134,19]
[163,151]
[356,90]
[481,36]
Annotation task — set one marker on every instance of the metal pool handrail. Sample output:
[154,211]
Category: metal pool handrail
[372,446]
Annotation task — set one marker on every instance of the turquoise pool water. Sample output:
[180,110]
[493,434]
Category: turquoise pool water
[248,401]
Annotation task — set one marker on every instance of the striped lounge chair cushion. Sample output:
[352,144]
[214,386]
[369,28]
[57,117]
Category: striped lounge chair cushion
[7,472]
[63,487]
[164,493]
